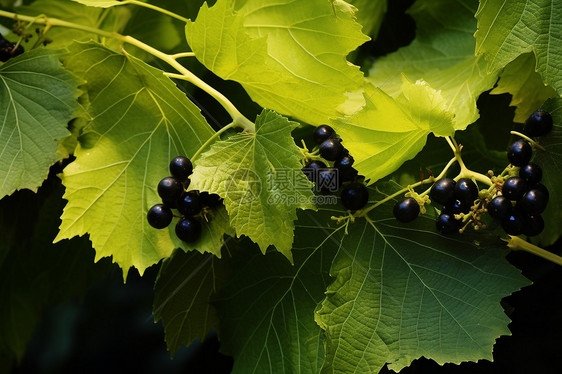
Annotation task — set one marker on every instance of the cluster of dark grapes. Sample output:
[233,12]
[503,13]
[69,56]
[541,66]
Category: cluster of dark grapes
[455,197]
[190,204]
[354,195]
[8,49]
[523,198]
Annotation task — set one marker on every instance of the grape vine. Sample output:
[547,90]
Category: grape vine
[301,235]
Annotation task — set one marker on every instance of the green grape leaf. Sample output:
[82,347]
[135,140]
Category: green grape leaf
[258,175]
[267,306]
[507,29]
[370,15]
[442,55]
[182,294]
[387,131]
[551,163]
[288,55]
[28,259]
[39,99]
[520,79]
[68,10]
[138,120]
[403,291]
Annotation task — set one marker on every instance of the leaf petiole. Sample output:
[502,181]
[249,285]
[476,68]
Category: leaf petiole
[155,8]
[408,188]
[466,172]
[212,139]
[515,243]
[533,143]
[183,54]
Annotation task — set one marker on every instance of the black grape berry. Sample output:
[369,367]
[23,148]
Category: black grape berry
[514,188]
[519,153]
[181,168]
[210,200]
[7,50]
[532,173]
[190,204]
[456,206]
[447,224]
[322,133]
[514,223]
[345,167]
[354,196]
[534,225]
[500,207]
[442,191]
[170,190]
[406,210]
[538,123]
[533,202]
[543,189]
[328,180]
[159,216]
[345,162]
[188,229]
[331,149]
[312,169]
[466,190]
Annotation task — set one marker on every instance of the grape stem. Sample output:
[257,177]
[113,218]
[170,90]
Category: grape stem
[517,244]
[238,119]
[466,172]
[183,54]
[212,139]
[155,8]
[533,143]
[408,188]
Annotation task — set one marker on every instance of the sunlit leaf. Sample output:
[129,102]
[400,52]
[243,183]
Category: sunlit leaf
[259,176]
[138,121]
[288,55]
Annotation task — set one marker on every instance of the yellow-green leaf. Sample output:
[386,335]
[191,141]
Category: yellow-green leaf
[138,120]
[387,131]
[288,55]
[442,55]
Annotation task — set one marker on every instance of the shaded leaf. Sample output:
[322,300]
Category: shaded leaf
[507,29]
[403,291]
[182,294]
[38,100]
[267,307]
[520,79]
